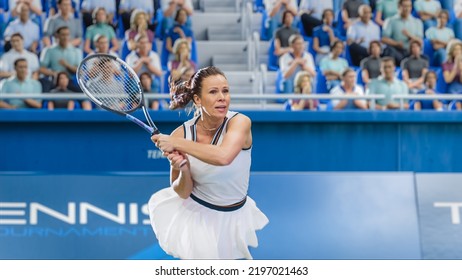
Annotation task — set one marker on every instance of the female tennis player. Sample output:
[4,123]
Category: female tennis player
[206,213]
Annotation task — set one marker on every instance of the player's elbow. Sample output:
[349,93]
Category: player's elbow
[224,160]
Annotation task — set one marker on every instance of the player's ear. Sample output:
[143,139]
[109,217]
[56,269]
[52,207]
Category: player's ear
[196,99]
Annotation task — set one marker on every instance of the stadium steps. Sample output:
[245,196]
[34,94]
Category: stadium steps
[222,6]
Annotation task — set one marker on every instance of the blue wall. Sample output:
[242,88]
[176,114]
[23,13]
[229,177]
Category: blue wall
[82,142]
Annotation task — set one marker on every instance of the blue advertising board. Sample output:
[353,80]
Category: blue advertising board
[312,216]
[440,208]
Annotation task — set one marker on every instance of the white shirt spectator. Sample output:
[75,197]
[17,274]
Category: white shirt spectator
[369,32]
[108,5]
[8,59]
[133,57]
[339,91]
[287,58]
[317,5]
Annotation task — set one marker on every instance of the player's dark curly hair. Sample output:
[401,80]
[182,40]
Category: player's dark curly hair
[182,92]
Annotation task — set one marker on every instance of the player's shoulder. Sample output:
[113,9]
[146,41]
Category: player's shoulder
[238,118]
[178,132]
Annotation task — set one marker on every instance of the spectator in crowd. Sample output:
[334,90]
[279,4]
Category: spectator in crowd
[143,59]
[64,17]
[324,35]
[186,73]
[360,34]
[101,43]
[430,89]
[414,68]
[371,65]
[20,83]
[293,62]
[282,34]
[302,85]
[332,66]
[100,26]
[17,51]
[128,7]
[439,37]
[170,9]
[350,12]
[348,86]
[178,30]
[452,68]
[389,85]
[146,84]
[384,10]
[35,6]
[138,25]
[311,13]
[275,10]
[182,58]
[60,57]
[29,30]
[428,11]
[62,86]
[88,9]
[400,30]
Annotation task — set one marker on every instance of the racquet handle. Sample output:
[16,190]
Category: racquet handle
[183,163]
[142,124]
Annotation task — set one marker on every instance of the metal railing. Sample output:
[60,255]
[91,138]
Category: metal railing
[263,98]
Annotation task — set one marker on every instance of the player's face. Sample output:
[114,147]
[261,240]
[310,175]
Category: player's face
[215,96]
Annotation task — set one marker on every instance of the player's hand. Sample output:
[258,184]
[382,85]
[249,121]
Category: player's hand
[163,142]
[178,161]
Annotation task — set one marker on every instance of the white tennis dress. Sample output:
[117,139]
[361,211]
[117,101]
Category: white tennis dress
[197,227]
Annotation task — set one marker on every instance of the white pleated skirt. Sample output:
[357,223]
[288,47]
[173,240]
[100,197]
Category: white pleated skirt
[186,229]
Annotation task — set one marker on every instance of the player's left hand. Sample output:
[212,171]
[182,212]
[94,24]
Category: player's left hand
[163,142]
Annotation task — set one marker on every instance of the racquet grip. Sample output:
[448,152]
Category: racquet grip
[183,163]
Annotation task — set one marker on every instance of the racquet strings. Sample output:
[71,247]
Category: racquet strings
[111,83]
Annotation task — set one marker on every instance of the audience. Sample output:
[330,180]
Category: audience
[17,51]
[360,34]
[430,89]
[100,26]
[370,66]
[402,36]
[302,85]
[332,66]
[399,30]
[294,61]
[348,86]
[389,85]
[64,17]
[439,37]
[20,83]
[29,30]
[282,34]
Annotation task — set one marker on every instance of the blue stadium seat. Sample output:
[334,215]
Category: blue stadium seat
[301,29]
[264,29]
[258,6]
[273,64]
[4,5]
[428,51]
[339,26]
[166,86]
[359,77]
[441,85]
[158,18]
[321,86]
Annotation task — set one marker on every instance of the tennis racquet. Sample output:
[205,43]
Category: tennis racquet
[114,86]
